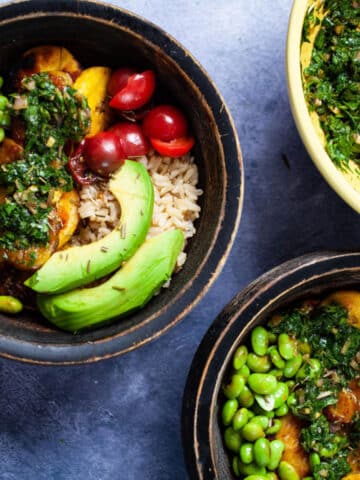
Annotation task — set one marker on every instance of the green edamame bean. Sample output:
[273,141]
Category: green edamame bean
[1,82]
[261,420]
[262,452]
[258,364]
[272,476]
[286,346]
[251,469]
[246,398]
[252,431]
[5,120]
[251,414]
[262,383]
[229,409]
[276,357]
[260,411]
[3,102]
[2,134]
[308,478]
[259,340]
[10,304]
[282,410]
[256,477]
[235,466]
[266,402]
[291,399]
[240,357]
[276,372]
[274,428]
[247,453]
[287,472]
[314,460]
[240,419]
[291,384]
[234,388]
[280,395]
[276,451]
[232,439]
[311,369]
[244,371]
[304,347]
[292,366]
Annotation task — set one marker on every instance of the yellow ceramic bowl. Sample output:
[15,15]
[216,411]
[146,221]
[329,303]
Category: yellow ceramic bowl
[346,184]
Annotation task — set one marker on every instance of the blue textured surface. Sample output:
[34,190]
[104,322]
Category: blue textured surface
[120,419]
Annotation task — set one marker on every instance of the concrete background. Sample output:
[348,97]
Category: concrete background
[120,419]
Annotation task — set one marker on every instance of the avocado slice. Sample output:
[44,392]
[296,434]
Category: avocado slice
[75,266]
[128,289]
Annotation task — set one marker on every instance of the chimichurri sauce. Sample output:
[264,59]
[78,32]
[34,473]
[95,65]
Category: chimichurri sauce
[51,117]
[332,80]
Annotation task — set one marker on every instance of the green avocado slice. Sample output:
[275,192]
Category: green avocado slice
[128,289]
[76,266]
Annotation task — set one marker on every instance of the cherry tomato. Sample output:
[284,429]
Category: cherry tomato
[119,79]
[78,168]
[132,139]
[103,153]
[136,93]
[175,148]
[166,123]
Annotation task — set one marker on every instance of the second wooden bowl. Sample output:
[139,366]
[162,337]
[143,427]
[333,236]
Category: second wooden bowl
[302,277]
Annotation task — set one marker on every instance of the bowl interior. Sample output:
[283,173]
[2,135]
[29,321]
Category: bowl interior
[115,38]
[302,278]
[346,184]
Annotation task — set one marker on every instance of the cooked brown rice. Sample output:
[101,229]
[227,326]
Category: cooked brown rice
[176,194]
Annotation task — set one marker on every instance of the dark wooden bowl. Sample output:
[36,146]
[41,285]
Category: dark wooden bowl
[299,278]
[113,37]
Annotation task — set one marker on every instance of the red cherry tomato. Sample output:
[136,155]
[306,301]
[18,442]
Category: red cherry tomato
[132,139]
[136,93]
[119,79]
[175,148]
[103,153]
[78,168]
[166,123]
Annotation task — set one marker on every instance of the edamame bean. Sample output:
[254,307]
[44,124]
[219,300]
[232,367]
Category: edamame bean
[314,460]
[280,395]
[3,102]
[260,411]
[261,420]
[246,398]
[229,409]
[251,469]
[240,357]
[5,120]
[240,419]
[252,431]
[232,439]
[311,369]
[274,428]
[287,472]
[286,346]
[10,304]
[244,371]
[266,402]
[291,399]
[247,453]
[304,348]
[272,476]
[235,466]
[256,477]
[292,366]
[262,452]
[276,357]
[282,411]
[2,134]
[276,451]
[259,340]
[262,383]
[276,372]
[234,388]
[272,338]
[258,364]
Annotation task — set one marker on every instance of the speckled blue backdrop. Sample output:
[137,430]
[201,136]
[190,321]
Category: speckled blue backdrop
[120,419]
